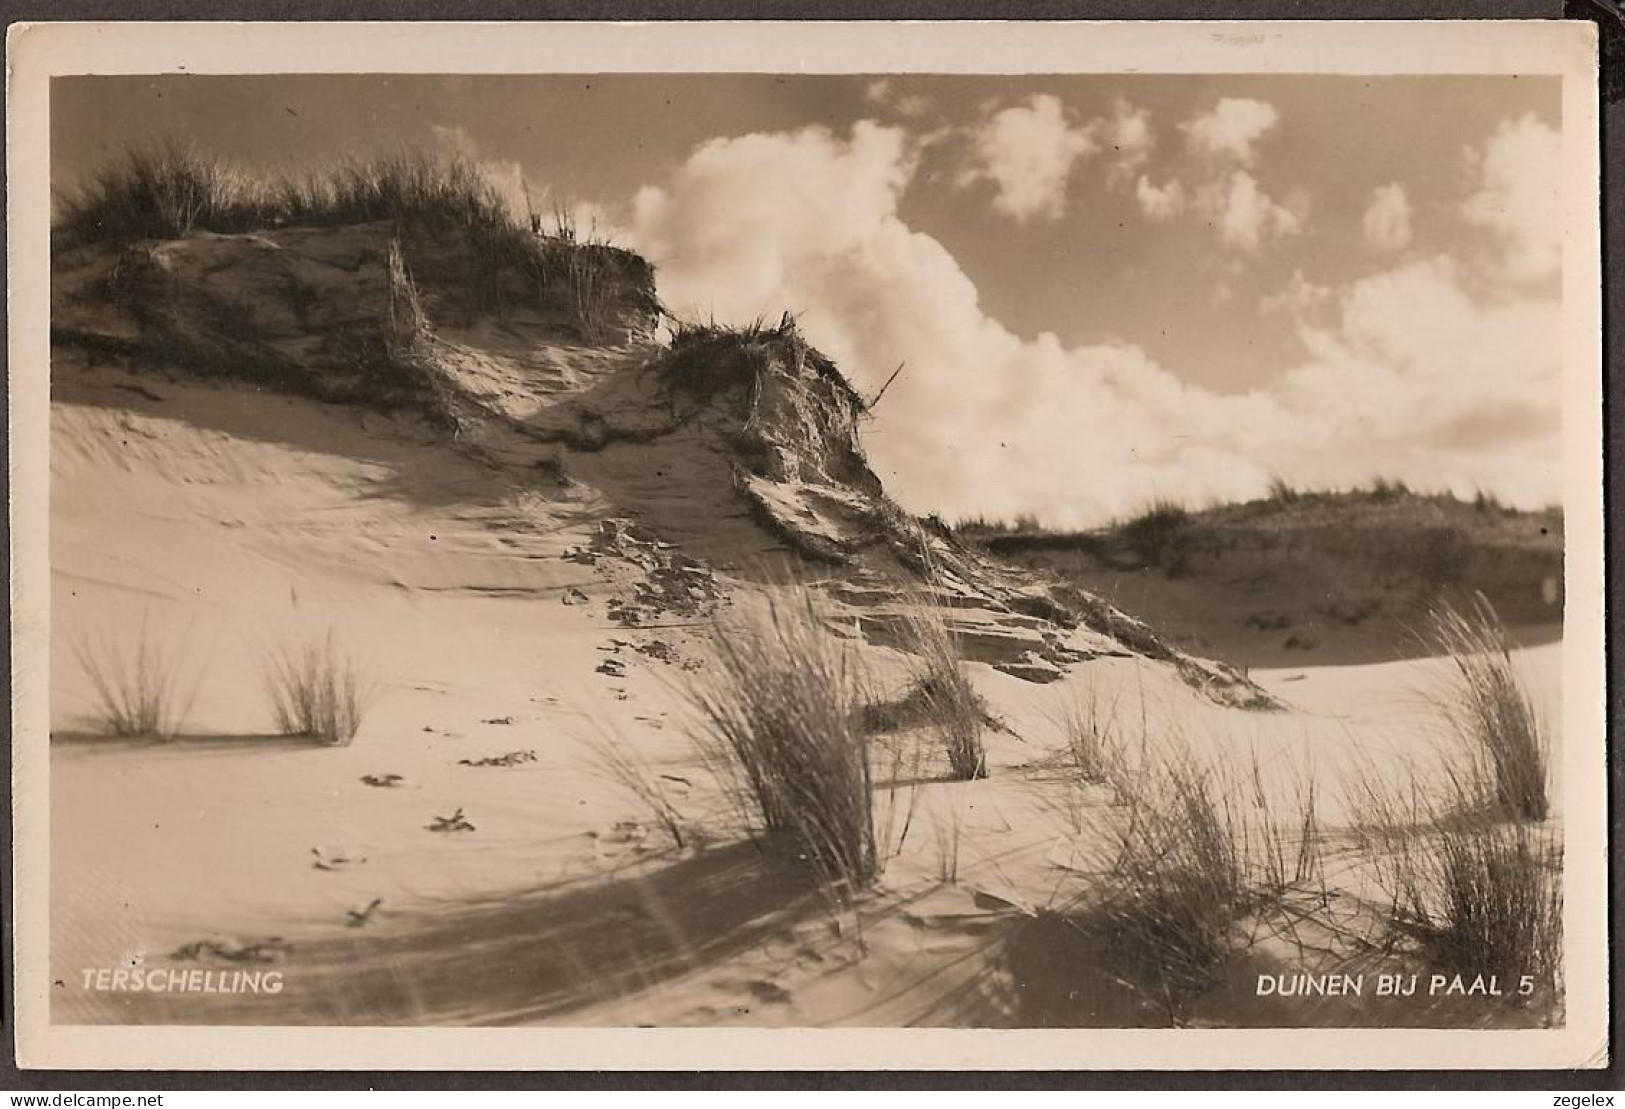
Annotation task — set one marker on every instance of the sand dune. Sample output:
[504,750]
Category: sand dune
[536,583]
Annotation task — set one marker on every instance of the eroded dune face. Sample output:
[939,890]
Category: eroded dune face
[528,525]
[505,368]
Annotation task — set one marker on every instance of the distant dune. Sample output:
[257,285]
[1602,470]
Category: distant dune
[1308,578]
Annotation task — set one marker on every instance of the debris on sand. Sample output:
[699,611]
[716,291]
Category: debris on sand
[656,649]
[233,949]
[456,822]
[613,667]
[672,582]
[574,596]
[498,720]
[335,859]
[360,918]
[512,758]
[382,781]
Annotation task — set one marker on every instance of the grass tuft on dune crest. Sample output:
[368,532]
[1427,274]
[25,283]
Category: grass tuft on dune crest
[171,190]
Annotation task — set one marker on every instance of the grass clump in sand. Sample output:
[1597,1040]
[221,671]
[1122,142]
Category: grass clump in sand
[942,691]
[1471,891]
[781,727]
[1490,712]
[316,690]
[1195,860]
[940,698]
[1500,904]
[1199,852]
[140,687]
[1461,847]
[1475,896]
[1094,741]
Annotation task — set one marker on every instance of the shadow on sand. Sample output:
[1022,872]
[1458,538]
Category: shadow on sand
[1063,977]
[534,956]
[202,742]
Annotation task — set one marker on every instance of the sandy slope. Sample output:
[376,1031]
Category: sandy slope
[230,520]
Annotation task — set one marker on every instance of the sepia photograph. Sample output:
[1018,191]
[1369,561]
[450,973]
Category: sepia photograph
[1080,539]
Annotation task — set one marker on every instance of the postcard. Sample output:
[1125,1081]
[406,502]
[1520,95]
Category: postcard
[755,546]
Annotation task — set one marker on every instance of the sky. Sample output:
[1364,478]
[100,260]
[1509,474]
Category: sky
[1103,289]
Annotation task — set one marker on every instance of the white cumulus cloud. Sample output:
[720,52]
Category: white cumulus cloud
[1405,374]
[1244,217]
[1160,203]
[1220,188]
[1300,297]
[1131,137]
[1520,196]
[1231,129]
[1028,151]
[1426,381]
[1386,226]
[882,92]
